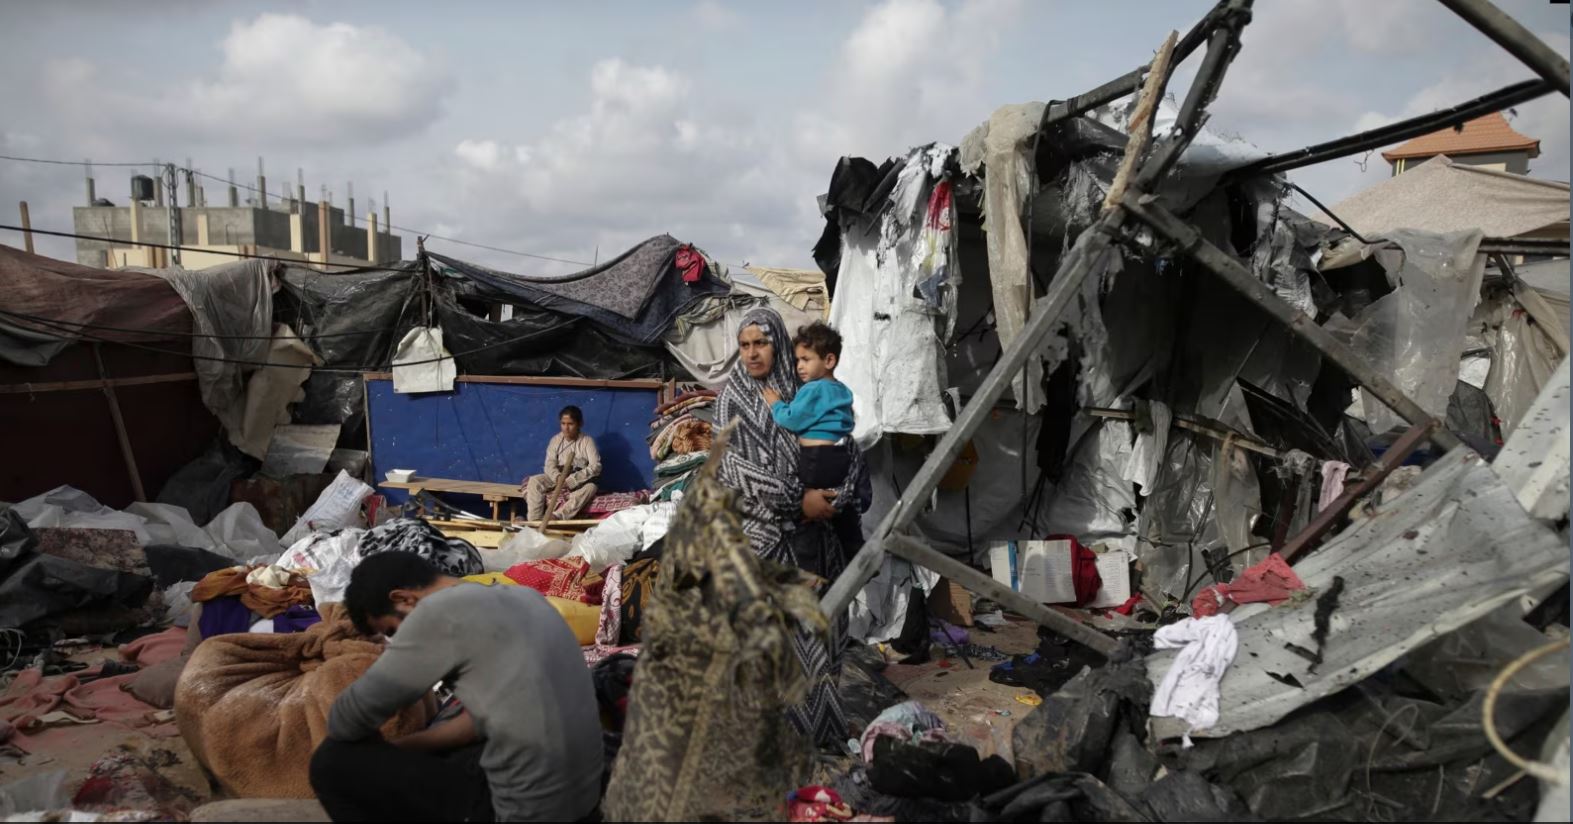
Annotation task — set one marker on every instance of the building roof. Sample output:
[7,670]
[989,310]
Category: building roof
[1488,133]
[1442,196]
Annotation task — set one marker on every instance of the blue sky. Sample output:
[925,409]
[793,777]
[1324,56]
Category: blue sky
[577,129]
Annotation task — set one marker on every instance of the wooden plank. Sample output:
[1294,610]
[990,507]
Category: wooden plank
[120,429]
[529,380]
[76,386]
[1194,426]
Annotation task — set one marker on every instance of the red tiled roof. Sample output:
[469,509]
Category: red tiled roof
[1488,133]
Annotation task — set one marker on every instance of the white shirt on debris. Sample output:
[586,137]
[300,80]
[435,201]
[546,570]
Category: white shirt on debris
[1190,688]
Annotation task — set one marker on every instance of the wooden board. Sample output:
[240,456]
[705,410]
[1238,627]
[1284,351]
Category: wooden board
[484,488]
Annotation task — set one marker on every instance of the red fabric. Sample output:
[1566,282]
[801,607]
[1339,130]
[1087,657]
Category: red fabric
[938,216]
[1084,570]
[31,695]
[1271,581]
[816,803]
[559,579]
[690,262]
[1129,606]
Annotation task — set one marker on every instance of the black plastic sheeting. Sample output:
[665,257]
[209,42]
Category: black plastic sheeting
[172,564]
[36,586]
[203,485]
[330,311]
[669,298]
[537,342]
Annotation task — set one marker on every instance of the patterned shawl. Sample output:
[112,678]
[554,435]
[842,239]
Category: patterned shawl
[761,463]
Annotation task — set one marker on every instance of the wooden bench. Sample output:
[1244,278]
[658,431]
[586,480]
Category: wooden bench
[493,493]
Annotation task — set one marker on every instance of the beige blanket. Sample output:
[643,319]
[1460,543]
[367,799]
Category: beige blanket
[253,707]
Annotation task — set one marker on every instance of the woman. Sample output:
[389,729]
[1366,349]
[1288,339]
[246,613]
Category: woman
[784,522]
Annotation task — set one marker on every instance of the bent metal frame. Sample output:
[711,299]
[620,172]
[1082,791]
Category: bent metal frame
[1142,168]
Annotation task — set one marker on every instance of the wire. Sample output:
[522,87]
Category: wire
[50,326]
[354,266]
[169,334]
[1540,770]
[73,162]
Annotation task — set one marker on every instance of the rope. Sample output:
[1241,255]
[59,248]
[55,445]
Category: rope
[1542,771]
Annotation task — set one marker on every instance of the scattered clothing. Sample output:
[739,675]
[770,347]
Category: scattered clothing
[815,803]
[609,503]
[1189,689]
[1272,581]
[909,722]
[568,578]
[224,616]
[1333,474]
[451,556]
[542,756]
[266,601]
[942,770]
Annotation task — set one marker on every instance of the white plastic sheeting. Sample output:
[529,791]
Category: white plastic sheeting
[422,364]
[1415,334]
[1534,461]
[892,356]
[880,608]
[709,351]
[328,560]
[238,531]
[520,547]
[1452,549]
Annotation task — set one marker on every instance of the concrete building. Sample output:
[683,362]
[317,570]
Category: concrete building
[1487,141]
[288,228]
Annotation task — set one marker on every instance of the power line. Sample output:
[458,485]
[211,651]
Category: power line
[74,162]
[50,326]
[354,266]
[161,335]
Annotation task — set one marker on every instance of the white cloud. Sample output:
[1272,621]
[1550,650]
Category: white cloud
[911,72]
[482,154]
[282,78]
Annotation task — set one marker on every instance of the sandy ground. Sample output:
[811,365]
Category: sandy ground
[978,711]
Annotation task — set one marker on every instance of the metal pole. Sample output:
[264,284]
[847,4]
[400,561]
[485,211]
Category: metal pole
[27,228]
[1403,130]
[1220,263]
[1324,520]
[1511,35]
[174,215]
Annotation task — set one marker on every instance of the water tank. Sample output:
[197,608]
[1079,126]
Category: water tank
[141,187]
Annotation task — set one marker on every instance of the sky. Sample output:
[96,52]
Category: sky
[575,130]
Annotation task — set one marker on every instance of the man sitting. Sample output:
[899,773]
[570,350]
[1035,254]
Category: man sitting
[572,452]
[527,746]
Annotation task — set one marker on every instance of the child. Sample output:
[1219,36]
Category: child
[821,417]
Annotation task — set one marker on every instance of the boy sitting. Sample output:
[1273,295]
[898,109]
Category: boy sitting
[821,417]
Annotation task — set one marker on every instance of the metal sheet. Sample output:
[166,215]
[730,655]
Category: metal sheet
[1452,549]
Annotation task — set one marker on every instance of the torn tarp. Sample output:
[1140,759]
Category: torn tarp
[232,313]
[1455,547]
[41,288]
[634,297]
[1414,335]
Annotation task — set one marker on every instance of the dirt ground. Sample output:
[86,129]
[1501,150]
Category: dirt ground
[978,711]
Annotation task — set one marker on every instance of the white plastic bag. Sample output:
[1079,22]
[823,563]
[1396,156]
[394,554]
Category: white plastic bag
[177,603]
[656,526]
[337,507]
[327,560]
[520,547]
[171,524]
[614,540]
[69,507]
[240,533]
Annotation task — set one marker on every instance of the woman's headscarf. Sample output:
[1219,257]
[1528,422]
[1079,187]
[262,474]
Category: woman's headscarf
[761,459]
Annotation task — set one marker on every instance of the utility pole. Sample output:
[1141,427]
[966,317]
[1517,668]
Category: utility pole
[174,214]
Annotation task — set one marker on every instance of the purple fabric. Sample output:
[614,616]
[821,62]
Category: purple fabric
[223,616]
[295,619]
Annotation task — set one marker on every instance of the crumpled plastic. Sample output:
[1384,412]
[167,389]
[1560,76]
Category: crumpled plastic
[416,367]
[523,546]
[327,558]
